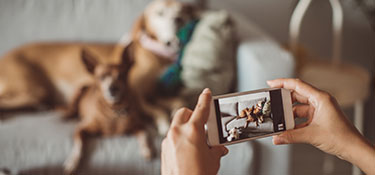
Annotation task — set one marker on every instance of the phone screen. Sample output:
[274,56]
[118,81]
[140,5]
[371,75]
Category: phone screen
[249,115]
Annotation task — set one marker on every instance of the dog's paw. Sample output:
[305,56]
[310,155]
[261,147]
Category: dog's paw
[67,115]
[147,153]
[70,166]
[163,128]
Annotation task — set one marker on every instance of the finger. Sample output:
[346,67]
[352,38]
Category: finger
[181,116]
[297,85]
[162,151]
[301,111]
[219,151]
[300,135]
[302,125]
[164,156]
[296,97]
[202,109]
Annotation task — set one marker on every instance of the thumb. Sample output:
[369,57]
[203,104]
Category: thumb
[219,151]
[291,136]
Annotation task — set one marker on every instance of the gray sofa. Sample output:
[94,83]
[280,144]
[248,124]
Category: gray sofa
[38,143]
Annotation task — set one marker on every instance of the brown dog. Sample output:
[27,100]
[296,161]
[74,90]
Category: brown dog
[107,107]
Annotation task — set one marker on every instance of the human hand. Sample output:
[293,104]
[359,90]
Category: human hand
[185,149]
[326,128]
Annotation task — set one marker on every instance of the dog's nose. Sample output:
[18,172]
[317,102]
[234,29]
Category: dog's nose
[113,90]
[168,43]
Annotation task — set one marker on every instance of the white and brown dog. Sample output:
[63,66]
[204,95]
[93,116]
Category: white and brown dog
[155,48]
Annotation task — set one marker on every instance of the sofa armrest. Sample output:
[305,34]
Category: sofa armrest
[259,61]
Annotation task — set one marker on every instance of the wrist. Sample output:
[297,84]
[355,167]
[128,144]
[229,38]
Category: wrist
[361,153]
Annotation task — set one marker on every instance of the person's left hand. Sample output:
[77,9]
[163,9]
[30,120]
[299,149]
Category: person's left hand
[185,149]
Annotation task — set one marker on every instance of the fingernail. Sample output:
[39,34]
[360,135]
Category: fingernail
[277,140]
[206,91]
[225,151]
[273,140]
[269,81]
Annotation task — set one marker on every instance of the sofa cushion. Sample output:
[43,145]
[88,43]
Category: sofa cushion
[38,143]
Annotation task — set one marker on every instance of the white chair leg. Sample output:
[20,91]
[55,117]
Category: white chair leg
[358,123]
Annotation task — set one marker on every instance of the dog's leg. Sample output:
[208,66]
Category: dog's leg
[162,121]
[160,116]
[72,110]
[72,162]
[173,104]
[177,103]
[145,145]
[261,119]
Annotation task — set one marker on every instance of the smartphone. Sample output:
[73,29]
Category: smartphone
[244,116]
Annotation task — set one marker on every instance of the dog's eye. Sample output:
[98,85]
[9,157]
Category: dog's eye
[103,77]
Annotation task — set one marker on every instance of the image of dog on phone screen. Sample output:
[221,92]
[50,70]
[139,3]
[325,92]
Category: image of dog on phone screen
[246,116]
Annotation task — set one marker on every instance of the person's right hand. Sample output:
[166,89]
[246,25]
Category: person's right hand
[327,128]
[185,150]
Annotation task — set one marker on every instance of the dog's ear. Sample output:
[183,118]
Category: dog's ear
[127,58]
[138,27]
[193,10]
[89,61]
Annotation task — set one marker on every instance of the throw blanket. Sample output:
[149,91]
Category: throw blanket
[170,81]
